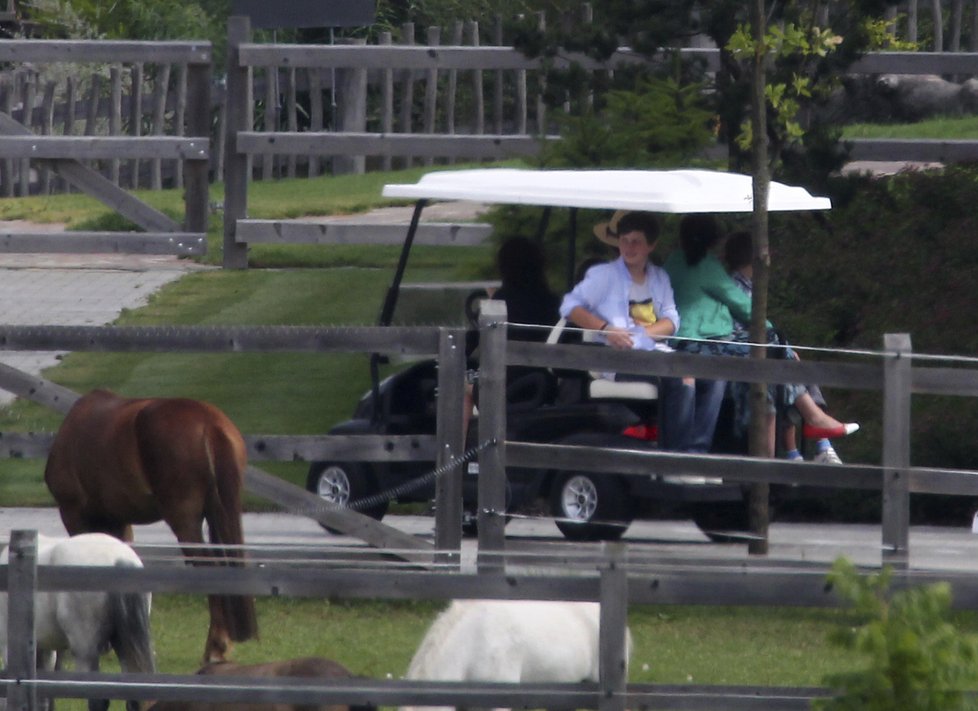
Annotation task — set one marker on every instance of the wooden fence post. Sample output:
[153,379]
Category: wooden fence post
[351,110]
[71,99]
[451,442]
[115,114]
[21,644]
[492,427]
[451,90]
[431,90]
[612,650]
[235,163]
[498,79]
[291,116]
[47,129]
[478,99]
[897,381]
[7,168]
[542,86]
[387,101]
[135,117]
[161,90]
[180,117]
[268,160]
[316,114]
[197,81]
[30,93]
[407,89]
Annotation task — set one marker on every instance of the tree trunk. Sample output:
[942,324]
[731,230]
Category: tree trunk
[937,18]
[759,493]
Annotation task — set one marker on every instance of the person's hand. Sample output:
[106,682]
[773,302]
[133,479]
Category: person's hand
[618,338]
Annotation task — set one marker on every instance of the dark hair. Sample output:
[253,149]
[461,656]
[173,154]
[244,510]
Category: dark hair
[643,222]
[520,261]
[697,235]
[739,250]
[586,264]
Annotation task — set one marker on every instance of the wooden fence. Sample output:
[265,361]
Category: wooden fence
[184,139]
[608,577]
[498,573]
[418,134]
[894,374]
[143,114]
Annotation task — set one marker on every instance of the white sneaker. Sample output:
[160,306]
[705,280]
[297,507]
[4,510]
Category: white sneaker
[827,456]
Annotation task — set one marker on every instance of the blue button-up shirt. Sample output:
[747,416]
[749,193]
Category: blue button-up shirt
[604,292]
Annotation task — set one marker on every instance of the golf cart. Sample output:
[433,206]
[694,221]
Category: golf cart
[549,407]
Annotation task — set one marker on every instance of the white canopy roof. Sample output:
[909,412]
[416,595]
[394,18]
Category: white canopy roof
[672,191]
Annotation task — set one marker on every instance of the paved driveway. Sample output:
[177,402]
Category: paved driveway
[75,290]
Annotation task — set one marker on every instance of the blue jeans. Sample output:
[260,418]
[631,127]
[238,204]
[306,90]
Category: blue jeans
[688,414]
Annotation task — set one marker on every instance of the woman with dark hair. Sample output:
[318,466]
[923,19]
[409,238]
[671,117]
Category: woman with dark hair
[710,303]
[707,300]
[529,300]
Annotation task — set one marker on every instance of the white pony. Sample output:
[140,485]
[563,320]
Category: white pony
[512,641]
[87,624]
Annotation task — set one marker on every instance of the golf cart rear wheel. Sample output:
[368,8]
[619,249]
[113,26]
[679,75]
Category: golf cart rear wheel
[722,521]
[590,507]
[343,484]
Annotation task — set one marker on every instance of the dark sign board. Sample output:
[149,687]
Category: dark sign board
[280,14]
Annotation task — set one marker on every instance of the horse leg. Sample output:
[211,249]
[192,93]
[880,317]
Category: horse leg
[88,662]
[218,644]
[47,660]
[76,522]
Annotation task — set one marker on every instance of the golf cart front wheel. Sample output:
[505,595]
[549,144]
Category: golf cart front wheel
[590,507]
[344,484]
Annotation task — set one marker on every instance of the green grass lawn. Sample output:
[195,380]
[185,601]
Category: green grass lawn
[298,393]
[672,644]
[947,128]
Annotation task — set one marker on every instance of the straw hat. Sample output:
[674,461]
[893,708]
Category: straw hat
[607,232]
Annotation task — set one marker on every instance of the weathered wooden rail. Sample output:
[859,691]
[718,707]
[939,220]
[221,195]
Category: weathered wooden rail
[68,156]
[171,93]
[894,374]
[614,576]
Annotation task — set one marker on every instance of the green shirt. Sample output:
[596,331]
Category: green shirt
[707,298]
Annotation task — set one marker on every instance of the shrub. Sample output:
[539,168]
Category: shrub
[916,659]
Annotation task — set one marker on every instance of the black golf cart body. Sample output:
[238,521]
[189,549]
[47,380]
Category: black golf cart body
[547,407]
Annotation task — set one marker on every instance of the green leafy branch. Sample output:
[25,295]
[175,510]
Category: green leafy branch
[789,41]
[917,659]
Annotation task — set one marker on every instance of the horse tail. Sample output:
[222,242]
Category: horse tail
[222,511]
[131,638]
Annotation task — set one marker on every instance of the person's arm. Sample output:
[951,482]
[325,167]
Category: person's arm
[578,307]
[722,287]
[667,315]
[662,328]
[580,316]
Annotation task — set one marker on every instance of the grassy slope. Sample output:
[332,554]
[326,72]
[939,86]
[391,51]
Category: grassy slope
[673,645]
[263,393]
[947,128]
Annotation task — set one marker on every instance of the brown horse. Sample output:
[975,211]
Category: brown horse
[305,667]
[117,462]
